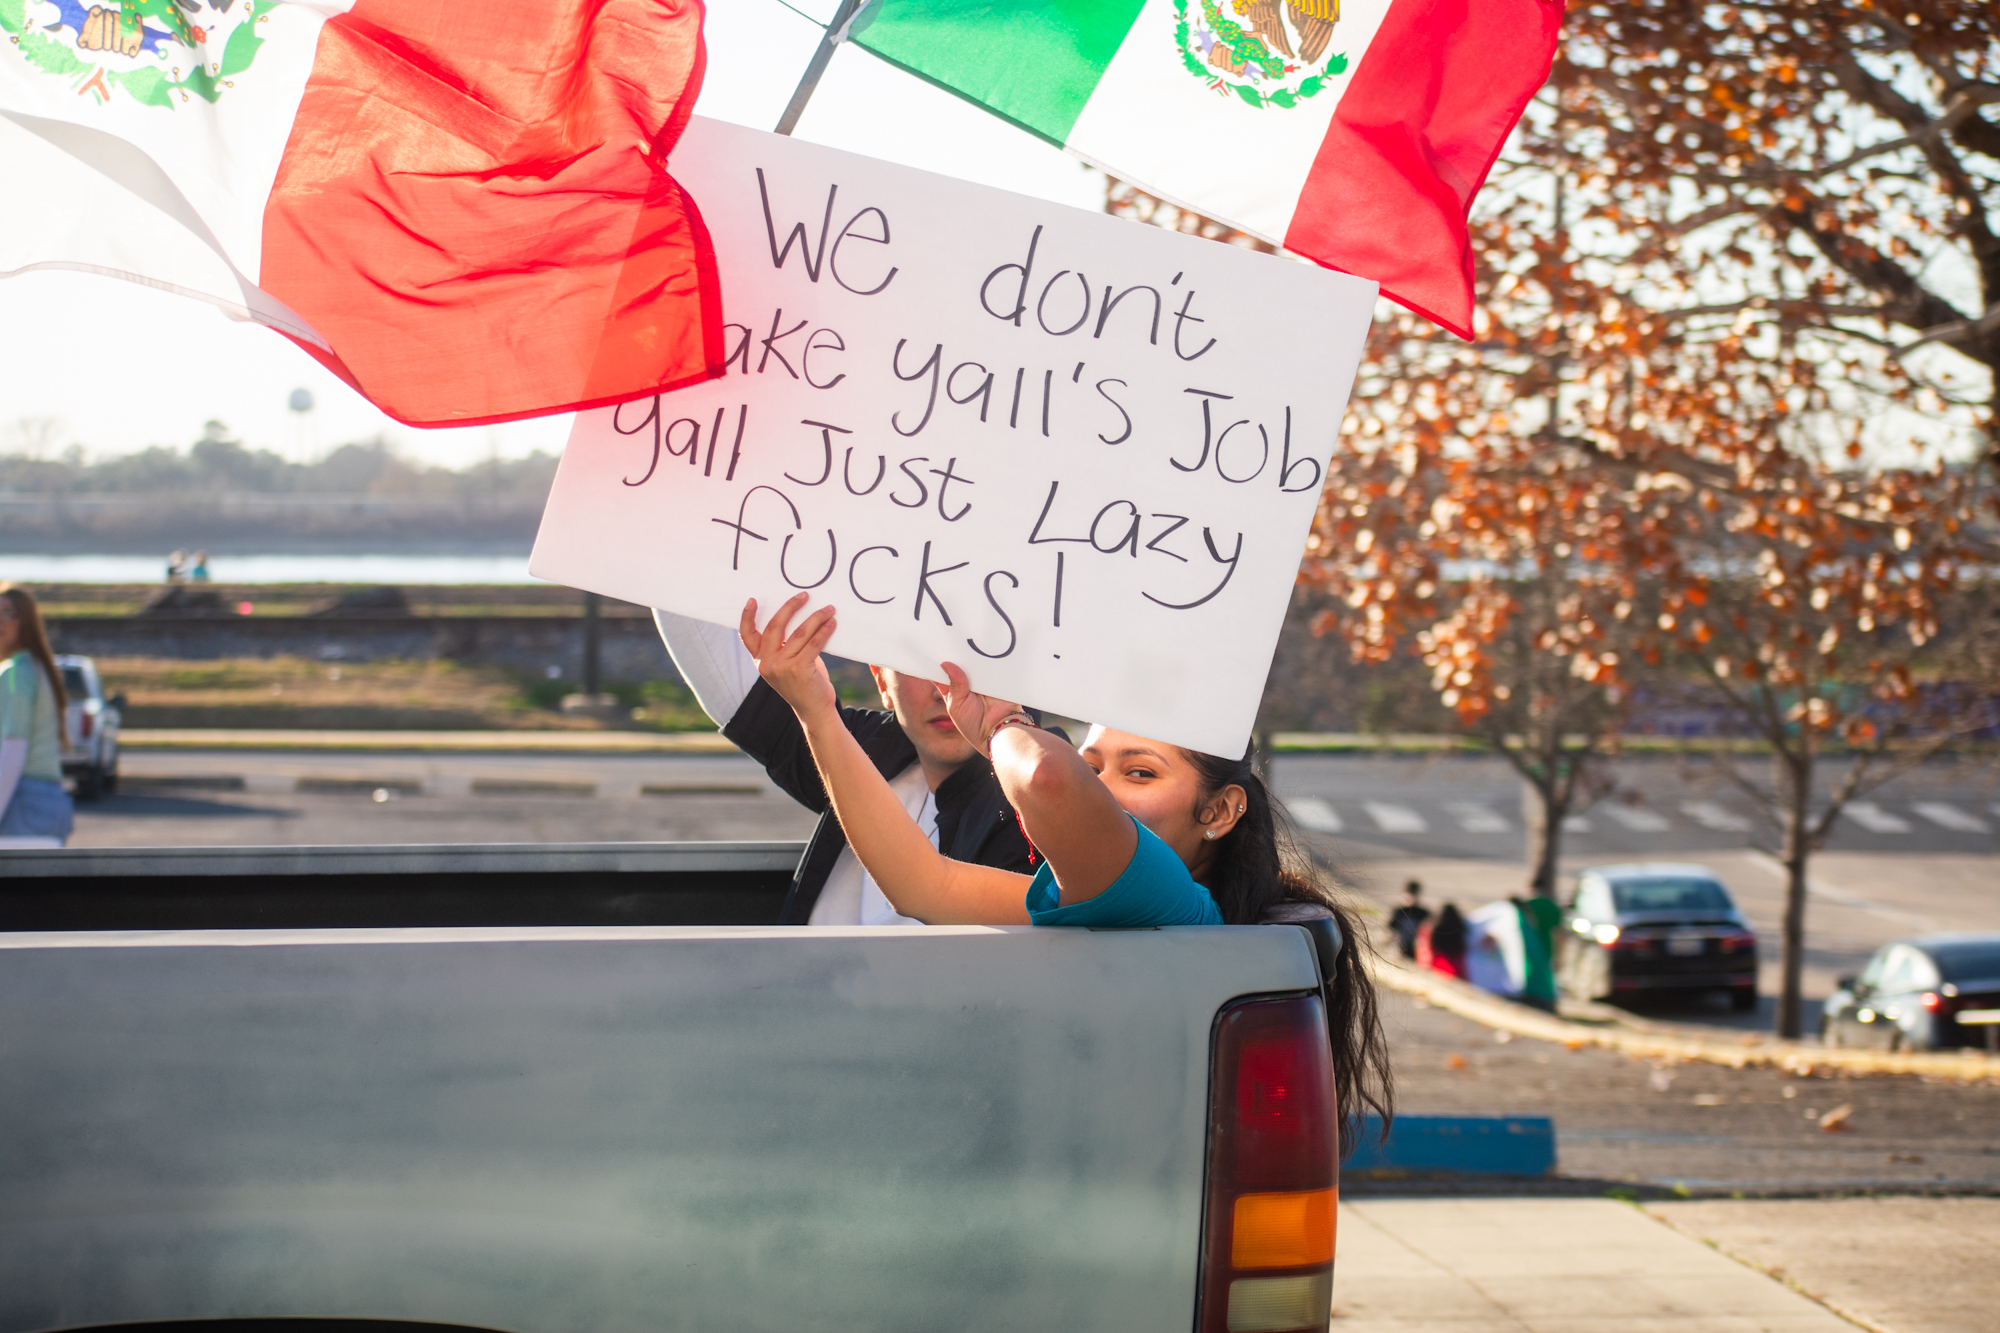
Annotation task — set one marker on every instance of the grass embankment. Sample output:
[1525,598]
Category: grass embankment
[294,599]
[294,692]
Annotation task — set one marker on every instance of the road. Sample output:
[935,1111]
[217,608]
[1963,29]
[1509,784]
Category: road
[1665,808]
[1453,822]
[1449,806]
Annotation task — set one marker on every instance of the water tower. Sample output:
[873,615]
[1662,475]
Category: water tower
[305,428]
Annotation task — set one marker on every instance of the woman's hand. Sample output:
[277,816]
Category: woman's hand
[975,715]
[790,663]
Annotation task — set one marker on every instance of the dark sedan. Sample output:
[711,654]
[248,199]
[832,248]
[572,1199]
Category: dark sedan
[1921,993]
[1647,929]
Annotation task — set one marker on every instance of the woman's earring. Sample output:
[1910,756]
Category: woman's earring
[1209,834]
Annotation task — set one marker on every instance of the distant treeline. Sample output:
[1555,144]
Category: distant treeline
[217,464]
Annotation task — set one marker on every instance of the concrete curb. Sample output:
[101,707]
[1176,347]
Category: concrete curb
[1743,1052]
[486,742]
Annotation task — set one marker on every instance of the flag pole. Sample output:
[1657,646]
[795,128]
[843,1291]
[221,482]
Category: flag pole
[836,33]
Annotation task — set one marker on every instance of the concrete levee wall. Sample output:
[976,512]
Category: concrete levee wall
[630,647]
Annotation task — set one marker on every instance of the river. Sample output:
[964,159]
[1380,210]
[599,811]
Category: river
[377,569]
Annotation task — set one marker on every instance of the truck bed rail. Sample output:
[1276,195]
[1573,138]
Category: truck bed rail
[485,884]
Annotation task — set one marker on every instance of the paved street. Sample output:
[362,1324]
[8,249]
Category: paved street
[1453,822]
[1665,809]
[1453,806]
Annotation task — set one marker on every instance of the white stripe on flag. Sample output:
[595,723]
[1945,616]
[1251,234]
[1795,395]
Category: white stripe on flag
[1153,123]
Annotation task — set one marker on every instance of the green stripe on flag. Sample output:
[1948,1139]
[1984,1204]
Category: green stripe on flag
[1036,62]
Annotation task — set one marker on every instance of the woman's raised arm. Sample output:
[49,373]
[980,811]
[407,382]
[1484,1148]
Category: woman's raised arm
[911,874]
[1068,812]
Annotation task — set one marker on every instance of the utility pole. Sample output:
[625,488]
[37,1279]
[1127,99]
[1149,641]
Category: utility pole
[836,33]
[593,643]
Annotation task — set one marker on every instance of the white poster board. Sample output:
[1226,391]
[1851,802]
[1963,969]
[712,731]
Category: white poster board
[1075,455]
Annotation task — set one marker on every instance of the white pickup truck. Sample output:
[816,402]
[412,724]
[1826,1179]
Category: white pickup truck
[92,722]
[569,1090]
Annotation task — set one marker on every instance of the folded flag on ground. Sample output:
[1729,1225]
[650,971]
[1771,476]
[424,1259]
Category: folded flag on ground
[462,210]
[1353,132]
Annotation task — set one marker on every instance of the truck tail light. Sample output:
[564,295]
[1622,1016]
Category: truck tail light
[84,724]
[1273,1183]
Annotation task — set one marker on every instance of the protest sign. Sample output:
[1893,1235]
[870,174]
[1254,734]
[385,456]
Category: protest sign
[1076,456]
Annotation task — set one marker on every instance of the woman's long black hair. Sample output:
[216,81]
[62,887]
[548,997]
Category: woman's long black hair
[1257,868]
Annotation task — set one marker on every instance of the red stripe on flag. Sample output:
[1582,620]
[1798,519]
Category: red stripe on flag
[1418,128]
[474,210]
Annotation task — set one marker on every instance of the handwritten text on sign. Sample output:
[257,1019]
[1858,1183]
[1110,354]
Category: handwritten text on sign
[1075,455]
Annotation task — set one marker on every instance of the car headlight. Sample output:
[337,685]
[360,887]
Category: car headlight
[1606,934]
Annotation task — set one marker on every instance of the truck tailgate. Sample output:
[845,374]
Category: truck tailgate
[561,1130]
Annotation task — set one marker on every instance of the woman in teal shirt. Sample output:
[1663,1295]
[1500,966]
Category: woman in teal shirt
[1132,832]
[33,803]
[1121,832]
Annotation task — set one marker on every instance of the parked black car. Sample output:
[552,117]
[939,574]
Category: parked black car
[1639,929]
[1913,991]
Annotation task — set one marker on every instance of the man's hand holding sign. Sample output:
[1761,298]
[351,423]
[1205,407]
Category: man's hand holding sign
[1076,456]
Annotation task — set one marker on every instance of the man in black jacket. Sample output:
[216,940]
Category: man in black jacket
[947,786]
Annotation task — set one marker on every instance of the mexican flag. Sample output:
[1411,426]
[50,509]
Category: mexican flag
[1352,132]
[463,210]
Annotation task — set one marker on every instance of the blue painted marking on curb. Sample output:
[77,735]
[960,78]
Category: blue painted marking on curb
[1498,1145]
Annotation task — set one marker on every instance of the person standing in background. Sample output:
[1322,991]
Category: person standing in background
[34,808]
[1408,919]
[198,571]
[1441,943]
[177,567]
[1539,919]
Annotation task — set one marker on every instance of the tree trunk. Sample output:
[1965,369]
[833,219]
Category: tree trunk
[1544,824]
[1798,812]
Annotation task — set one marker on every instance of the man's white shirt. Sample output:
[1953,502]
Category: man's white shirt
[720,671]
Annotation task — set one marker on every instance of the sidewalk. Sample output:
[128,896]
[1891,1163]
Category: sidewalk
[1892,1265]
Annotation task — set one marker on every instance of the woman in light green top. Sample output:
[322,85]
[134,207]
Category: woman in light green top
[33,804]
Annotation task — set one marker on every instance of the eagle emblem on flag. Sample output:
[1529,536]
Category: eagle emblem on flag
[1266,52]
[156,52]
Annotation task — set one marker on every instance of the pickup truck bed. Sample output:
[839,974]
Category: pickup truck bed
[600,1123]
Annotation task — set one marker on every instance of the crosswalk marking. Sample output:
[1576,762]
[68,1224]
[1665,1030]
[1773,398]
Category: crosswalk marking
[1875,819]
[1394,818]
[1709,814]
[1638,818]
[1313,813]
[1476,818]
[1946,815]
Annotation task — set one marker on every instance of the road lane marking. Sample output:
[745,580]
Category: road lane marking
[1576,823]
[1394,818]
[1875,819]
[1476,818]
[1638,818]
[1946,815]
[1709,814]
[1311,812]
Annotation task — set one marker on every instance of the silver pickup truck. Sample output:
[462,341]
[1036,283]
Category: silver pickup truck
[571,1090]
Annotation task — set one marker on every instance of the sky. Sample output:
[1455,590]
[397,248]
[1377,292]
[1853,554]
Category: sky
[66,339]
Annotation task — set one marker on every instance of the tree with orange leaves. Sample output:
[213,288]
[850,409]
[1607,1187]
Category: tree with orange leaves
[1741,337]
[1803,197]
[1848,621]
